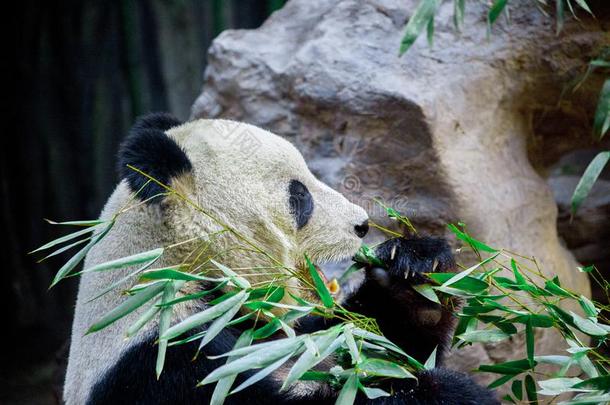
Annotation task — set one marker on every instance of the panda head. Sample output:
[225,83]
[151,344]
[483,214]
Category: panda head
[226,173]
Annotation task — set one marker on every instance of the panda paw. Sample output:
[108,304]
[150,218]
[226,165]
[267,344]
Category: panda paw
[408,259]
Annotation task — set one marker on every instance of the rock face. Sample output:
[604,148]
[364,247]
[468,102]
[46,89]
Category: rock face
[441,133]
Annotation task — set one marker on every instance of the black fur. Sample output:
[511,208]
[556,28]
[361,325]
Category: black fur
[390,300]
[301,203]
[150,150]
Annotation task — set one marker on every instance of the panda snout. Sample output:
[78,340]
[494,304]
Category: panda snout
[362,229]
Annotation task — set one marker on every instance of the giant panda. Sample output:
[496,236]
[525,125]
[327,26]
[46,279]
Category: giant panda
[259,184]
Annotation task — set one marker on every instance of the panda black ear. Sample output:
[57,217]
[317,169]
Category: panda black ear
[150,150]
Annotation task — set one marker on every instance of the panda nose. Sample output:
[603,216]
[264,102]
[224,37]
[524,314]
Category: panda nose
[362,229]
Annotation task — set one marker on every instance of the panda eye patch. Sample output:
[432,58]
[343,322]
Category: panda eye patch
[301,203]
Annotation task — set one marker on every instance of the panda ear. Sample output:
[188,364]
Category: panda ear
[149,149]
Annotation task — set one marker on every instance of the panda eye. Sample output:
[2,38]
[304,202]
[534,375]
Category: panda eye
[301,203]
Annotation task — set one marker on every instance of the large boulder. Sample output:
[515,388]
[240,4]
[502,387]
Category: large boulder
[441,133]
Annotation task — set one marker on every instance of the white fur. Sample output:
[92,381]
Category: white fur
[240,177]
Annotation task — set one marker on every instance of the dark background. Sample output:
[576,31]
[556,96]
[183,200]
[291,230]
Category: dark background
[78,73]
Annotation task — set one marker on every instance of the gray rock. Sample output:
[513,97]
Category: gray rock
[440,133]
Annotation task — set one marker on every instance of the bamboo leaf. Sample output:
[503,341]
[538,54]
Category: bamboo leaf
[530,389]
[204,316]
[476,244]
[373,393]
[529,338]
[431,361]
[588,178]
[427,291]
[66,238]
[347,395]
[384,368]
[583,4]
[597,383]
[256,359]
[151,255]
[219,324]
[79,256]
[420,19]
[164,321]
[325,344]
[484,335]
[236,278]
[77,223]
[494,12]
[321,289]
[557,386]
[224,384]
[129,305]
[143,320]
[262,373]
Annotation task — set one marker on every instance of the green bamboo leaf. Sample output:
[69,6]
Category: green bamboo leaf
[420,19]
[557,386]
[485,335]
[510,367]
[583,4]
[259,358]
[458,14]
[554,359]
[347,395]
[63,249]
[67,238]
[384,368]
[597,383]
[126,307]
[171,273]
[77,223]
[588,178]
[325,345]
[530,389]
[143,320]
[588,306]
[256,305]
[122,280]
[138,258]
[469,283]
[529,338]
[195,296]
[459,276]
[494,12]
[351,344]
[554,288]
[224,384]
[321,289]
[373,393]
[262,373]
[427,291]
[500,381]
[219,324]
[386,343]
[517,389]
[79,256]
[588,326]
[236,278]
[204,316]
[475,244]
[164,321]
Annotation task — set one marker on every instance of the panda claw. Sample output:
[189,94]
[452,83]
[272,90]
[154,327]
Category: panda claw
[393,252]
[434,265]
